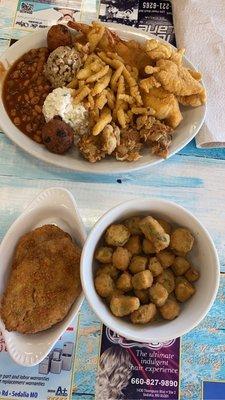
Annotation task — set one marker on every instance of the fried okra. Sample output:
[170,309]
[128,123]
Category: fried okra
[142,280]
[180,266]
[115,293]
[104,255]
[183,289]
[121,258]
[124,282]
[143,295]
[133,225]
[192,275]
[181,241]
[166,258]
[124,305]
[158,294]
[133,245]
[104,285]
[155,233]
[155,267]
[138,264]
[166,278]
[170,310]
[117,235]
[108,269]
[165,225]
[148,247]
[143,272]
[144,314]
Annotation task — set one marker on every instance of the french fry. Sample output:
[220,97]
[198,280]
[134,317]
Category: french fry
[111,99]
[101,100]
[115,77]
[73,84]
[121,86]
[98,75]
[95,35]
[139,110]
[112,62]
[105,118]
[84,92]
[126,98]
[91,101]
[121,117]
[148,83]
[150,70]
[102,84]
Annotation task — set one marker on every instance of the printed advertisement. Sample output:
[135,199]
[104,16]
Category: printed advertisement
[151,16]
[33,15]
[50,379]
[136,371]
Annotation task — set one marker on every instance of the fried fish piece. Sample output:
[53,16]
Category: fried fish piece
[31,239]
[176,79]
[43,287]
[165,105]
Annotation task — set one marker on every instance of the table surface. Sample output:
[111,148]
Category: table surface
[194,178]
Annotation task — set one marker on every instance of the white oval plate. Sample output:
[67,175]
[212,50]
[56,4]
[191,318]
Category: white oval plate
[192,117]
[52,206]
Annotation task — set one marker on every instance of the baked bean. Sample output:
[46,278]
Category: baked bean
[24,92]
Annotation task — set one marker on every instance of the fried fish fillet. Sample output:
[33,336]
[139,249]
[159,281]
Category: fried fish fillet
[31,239]
[42,287]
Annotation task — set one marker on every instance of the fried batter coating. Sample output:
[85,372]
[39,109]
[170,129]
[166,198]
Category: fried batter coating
[157,50]
[42,287]
[134,244]
[121,258]
[165,105]
[142,280]
[58,35]
[183,289]
[104,254]
[110,138]
[176,79]
[117,235]
[166,258]
[155,267]
[144,314]
[90,147]
[143,295]
[148,247]
[130,145]
[158,294]
[124,282]
[138,264]
[104,284]
[132,224]
[167,280]
[181,241]
[108,269]
[165,225]
[192,275]
[170,310]
[194,100]
[180,266]
[31,239]
[124,305]
[155,233]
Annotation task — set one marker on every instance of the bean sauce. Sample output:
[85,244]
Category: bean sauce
[24,91]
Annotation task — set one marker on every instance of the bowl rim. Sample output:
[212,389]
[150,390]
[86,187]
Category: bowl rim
[85,269]
[81,165]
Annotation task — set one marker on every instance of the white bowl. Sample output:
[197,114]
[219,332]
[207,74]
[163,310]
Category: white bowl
[192,117]
[52,206]
[203,256]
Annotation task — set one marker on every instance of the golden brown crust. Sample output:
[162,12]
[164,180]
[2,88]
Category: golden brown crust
[44,284]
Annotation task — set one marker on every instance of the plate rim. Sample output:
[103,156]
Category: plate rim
[85,166]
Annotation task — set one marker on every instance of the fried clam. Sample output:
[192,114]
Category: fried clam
[42,287]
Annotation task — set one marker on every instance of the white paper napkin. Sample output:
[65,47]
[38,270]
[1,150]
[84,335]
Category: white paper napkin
[200,28]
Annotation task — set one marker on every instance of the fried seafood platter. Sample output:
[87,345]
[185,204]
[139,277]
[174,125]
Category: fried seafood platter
[98,93]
